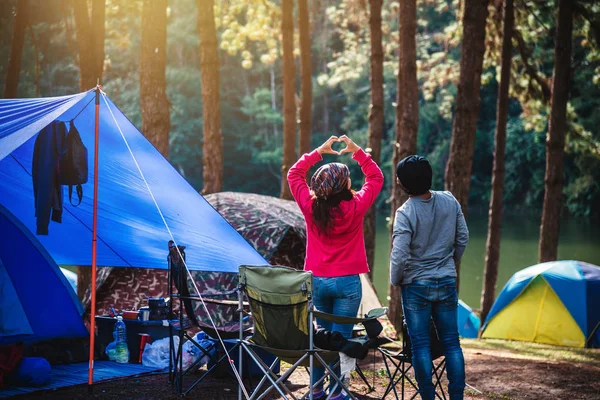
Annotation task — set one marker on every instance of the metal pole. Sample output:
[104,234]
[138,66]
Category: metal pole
[241,337]
[94,234]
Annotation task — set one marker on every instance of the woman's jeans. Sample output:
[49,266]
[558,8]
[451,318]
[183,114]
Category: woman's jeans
[437,298]
[338,296]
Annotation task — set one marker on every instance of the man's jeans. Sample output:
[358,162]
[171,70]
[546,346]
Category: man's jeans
[435,298]
[338,296]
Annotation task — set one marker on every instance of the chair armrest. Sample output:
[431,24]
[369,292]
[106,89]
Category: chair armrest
[338,319]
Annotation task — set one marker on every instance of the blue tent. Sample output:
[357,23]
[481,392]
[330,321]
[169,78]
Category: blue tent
[36,301]
[554,302]
[131,231]
[468,321]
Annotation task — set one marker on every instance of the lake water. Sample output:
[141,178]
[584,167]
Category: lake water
[579,240]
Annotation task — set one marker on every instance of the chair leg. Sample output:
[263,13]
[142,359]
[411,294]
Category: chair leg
[438,373]
[264,378]
[362,376]
[276,384]
[390,387]
[400,375]
[179,363]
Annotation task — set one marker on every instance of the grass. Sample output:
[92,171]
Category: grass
[536,350]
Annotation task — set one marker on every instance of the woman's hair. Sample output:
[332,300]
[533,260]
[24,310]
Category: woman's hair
[324,209]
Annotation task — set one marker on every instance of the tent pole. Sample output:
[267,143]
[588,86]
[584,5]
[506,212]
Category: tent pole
[94,231]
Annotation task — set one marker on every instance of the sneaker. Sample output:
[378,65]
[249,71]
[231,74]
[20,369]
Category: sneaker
[318,395]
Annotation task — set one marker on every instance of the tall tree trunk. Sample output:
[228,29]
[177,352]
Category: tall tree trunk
[289,94]
[557,129]
[16,51]
[305,76]
[212,150]
[36,50]
[490,274]
[98,29]
[407,121]
[274,102]
[85,48]
[460,162]
[156,121]
[375,118]
[324,37]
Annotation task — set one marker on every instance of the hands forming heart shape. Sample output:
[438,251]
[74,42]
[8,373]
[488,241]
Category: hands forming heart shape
[326,148]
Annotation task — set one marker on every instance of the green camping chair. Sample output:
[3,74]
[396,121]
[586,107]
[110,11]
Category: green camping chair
[282,308]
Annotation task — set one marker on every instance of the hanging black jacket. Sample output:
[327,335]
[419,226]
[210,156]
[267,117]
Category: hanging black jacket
[47,190]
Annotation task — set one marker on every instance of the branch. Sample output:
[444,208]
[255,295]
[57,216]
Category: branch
[532,71]
[594,20]
[530,11]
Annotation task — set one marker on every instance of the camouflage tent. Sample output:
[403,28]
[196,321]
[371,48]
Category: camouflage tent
[274,227]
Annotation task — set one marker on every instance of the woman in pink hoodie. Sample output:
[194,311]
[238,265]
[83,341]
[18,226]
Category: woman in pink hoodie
[335,247]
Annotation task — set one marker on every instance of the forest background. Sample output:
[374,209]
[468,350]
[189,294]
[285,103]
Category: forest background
[251,87]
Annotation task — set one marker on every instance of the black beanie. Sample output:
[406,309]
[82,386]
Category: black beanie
[414,173]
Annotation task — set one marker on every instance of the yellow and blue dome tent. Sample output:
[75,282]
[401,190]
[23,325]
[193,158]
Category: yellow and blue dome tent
[555,303]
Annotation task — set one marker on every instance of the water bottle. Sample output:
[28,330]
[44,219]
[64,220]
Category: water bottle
[120,335]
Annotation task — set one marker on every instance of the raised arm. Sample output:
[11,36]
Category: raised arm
[297,173]
[366,196]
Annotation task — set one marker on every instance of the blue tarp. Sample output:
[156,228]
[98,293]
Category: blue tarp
[36,301]
[131,232]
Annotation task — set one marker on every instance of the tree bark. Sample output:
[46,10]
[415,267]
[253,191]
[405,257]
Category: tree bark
[16,50]
[36,50]
[289,93]
[460,161]
[557,128]
[490,274]
[458,169]
[153,97]
[407,121]
[212,150]
[87,69]
[375,119]
[305,77]
[324,37]
[98,30]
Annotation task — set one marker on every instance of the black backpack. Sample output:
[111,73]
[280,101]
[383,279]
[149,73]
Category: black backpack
[74,163]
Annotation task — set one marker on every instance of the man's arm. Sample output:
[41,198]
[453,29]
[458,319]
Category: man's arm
[462,235]
[401,238]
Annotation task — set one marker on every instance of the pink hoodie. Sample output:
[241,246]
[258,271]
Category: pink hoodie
[342,251]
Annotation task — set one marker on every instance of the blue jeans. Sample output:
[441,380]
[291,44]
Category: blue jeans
[435,298]
[338,296]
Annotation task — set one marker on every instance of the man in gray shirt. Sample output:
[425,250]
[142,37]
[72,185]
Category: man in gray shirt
[430,236]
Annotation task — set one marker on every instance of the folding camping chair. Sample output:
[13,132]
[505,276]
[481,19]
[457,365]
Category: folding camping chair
[186,323]
[282,308]
[399,363]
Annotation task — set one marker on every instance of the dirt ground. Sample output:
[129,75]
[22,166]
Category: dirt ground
[495,371]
